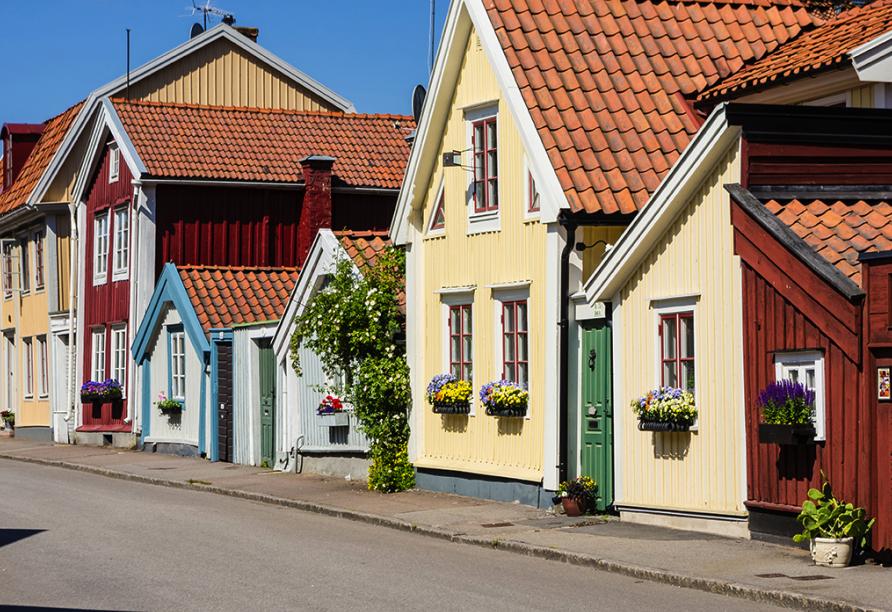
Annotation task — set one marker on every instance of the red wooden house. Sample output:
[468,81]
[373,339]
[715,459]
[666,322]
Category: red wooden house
[201,185]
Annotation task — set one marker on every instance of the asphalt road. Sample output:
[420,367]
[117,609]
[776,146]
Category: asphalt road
[75,540]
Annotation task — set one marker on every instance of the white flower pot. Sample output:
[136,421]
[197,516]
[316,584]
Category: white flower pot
[832,552]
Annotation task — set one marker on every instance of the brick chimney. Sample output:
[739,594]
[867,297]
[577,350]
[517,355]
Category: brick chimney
[315,213]
[19,139]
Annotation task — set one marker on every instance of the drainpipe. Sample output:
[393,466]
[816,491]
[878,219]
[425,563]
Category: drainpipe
[133,385]
[569,226]
[72,338]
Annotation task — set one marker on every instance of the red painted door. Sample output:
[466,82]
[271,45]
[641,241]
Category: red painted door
[882,537]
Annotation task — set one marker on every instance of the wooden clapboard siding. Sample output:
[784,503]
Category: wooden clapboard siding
[826,164]
[479,444]
[701,471]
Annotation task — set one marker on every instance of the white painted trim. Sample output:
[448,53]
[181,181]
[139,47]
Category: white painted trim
[871,59]
[710,142]
[433,232]
[114,164]
[661,307]
[489,220]
[462,15]
[513,285]
[456,290]
[499,296]
[530,215]
[459,299]
[620,415]
[554,243]
[221,31]
[786,358]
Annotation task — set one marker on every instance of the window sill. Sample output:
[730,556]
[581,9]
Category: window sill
[99,281]
[480,223]
[120,276]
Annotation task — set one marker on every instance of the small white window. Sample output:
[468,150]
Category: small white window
[25,265]
[805,367]
[8,266]
[121,243]
[114,163]
[483,188]
[29,367]
[119,355]
[178,365]
[39,275]
[43,380]
[98,346]
[100,249]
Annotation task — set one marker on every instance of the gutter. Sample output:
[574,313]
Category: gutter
[570,225]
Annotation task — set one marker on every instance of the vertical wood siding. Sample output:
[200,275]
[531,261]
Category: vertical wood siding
[109,303]
[703,470]
[245,400]
[316,437]
[512,448]
[221,74]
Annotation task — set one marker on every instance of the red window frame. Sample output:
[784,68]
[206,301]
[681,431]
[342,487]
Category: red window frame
[515,337]
[482,170]
[532,194]
[677,360]
[39,280]
[438,221]
[7,270]
[461,365]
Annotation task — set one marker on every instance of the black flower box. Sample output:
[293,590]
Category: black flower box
[662,426]
[92,398]
[507,412]
[464,408]
[787,435]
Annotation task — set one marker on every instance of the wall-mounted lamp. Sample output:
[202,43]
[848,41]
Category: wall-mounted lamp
[581,246]
[451,159]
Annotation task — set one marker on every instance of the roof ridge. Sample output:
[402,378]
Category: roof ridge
[255,109]
[238,268]
[361,232]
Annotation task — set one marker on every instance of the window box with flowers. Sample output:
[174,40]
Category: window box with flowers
[108,390]
[788,410]
[504,398]
[449,395]
[168,405]
[665,409]
[332,412]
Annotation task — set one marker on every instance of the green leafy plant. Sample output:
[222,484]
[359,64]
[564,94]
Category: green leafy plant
[8,416]
[166,404]
[355,327]
[824,516]
[582,489]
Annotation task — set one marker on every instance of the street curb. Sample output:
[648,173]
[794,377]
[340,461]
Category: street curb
[709,585]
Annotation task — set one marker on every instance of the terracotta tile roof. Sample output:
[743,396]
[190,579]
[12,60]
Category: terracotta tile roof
[248,144]
[363,247]
[838,230]
[225,296]
[822,48]
[18,193]
[608,82]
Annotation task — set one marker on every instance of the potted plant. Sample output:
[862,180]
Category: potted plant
[504,398]
[8,418]
[106,391]
[168,405]
[787,411]
[332,412]
[832,527]
[449,395]
[665,409]
[578,496]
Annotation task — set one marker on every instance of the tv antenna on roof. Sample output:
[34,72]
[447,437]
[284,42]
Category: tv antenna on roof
[206,9]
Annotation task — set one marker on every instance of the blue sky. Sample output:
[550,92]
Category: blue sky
[55,51]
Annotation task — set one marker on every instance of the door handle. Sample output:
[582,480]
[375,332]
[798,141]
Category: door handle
[591,410]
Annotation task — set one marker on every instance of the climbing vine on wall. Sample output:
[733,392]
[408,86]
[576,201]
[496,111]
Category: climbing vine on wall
[354,325]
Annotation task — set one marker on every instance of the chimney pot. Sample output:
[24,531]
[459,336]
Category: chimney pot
[316,210]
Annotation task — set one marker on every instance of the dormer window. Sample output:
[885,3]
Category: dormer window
[114,163]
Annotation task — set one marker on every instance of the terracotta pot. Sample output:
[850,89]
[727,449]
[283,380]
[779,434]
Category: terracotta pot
[572,507]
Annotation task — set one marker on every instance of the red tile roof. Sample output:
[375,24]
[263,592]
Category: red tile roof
[837,230]
[55,130]
[225,296]
[249,144]
[608,82]
[822,48]
[363,247]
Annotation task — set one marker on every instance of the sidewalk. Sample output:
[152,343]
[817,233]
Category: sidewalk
[752,570]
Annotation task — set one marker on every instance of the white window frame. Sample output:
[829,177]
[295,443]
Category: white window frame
[43,381]
[177,347]
[120,254]
[431,230]
[100,242]
[800,360]
[97,347]
[119,352]
[25,265]
[114,163]
[460,297]
[490,220]
[530,215]
[39,238]
[28,363]
[670,306]
[8,269]
[511,292]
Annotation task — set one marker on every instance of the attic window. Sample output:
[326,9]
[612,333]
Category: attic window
[114,163]
[438,217]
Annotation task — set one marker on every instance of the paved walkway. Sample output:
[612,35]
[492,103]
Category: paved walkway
[754,570]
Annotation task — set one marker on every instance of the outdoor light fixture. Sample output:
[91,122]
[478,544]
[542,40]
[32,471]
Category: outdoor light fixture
[452,159]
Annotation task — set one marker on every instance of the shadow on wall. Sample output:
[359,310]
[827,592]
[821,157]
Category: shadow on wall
[510,426]
[455,423]
[10,536]
[674,445]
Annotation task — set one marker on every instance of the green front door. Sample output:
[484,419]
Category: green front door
[267,404]
[597,409]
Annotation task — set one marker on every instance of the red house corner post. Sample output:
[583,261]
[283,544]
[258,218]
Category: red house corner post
[876,272]
[315,213]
